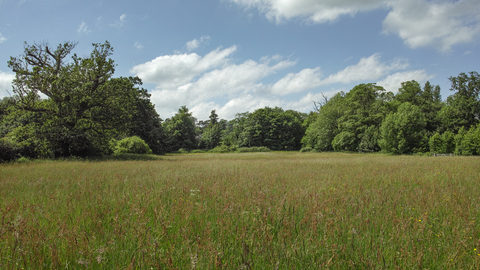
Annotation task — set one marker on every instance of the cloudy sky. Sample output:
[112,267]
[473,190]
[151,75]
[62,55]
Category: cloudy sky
[239,55]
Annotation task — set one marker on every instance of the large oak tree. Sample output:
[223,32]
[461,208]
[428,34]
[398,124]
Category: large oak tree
[82,106]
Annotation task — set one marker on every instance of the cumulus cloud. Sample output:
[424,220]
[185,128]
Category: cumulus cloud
[120,22]
[434,23]
[171,71]
[369,68]
[82,28]
[6,84]
[227,81]
[298,82]
[2,38]
[394,81]
[420,23]
[193,44]
[319,11]
[201,82]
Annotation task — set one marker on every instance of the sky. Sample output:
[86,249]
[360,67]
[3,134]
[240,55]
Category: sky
[236,56]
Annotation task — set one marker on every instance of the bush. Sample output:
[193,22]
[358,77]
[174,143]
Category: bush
[220,149]
[197,151]
[253,149]
[9,150]
[306,149]
[23,160]
[132,145]
[182,151]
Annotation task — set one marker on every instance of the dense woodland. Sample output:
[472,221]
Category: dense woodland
[88,112]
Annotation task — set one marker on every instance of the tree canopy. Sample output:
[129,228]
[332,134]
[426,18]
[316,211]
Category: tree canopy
[66,105]
[81,106]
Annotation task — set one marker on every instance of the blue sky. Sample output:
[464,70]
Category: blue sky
[239,55]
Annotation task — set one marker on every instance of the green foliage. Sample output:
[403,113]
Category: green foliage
[211,136]
[403,132]
[448,139]
[180,130]
[147,124]
[369,140]
[468,142]
[436,143]
[182,151]
[273,128]
[306,149]
[85,107]
[23,160]
[323,130]
[463,107]
[444,143]
[132,145]
[366,105]
[345,141]
[428,100]
[253,149]
[9,150]
[220,149]
[119,157]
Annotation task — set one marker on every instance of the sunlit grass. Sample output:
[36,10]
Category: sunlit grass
[243,211]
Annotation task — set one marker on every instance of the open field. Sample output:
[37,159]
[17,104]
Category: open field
[243,211]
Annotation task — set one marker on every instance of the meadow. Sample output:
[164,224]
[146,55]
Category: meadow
[242,211]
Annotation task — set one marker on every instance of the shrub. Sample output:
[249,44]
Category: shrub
[197,151]
[182,151]
[220,149]
[253,149]
[23,160]
[306,149]
[9,150]
[132,145]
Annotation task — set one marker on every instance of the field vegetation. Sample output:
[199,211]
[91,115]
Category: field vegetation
[268,210]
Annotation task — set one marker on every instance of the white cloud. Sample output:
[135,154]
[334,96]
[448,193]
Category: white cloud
[6,84]
[2,38]
[200,82]
[193,44]
[120,22]
[394,81]
[171,71]
[420,23]
[82,28]
[298,82]
[138,45]
[228,81]
[438,24]
[318,11]
[369,68]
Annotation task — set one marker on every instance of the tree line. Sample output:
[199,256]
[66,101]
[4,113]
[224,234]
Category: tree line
[64,107]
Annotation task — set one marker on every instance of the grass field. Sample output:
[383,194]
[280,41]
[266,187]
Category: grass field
[243,211]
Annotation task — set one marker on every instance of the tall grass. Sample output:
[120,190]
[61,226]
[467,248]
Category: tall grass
[243,211]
